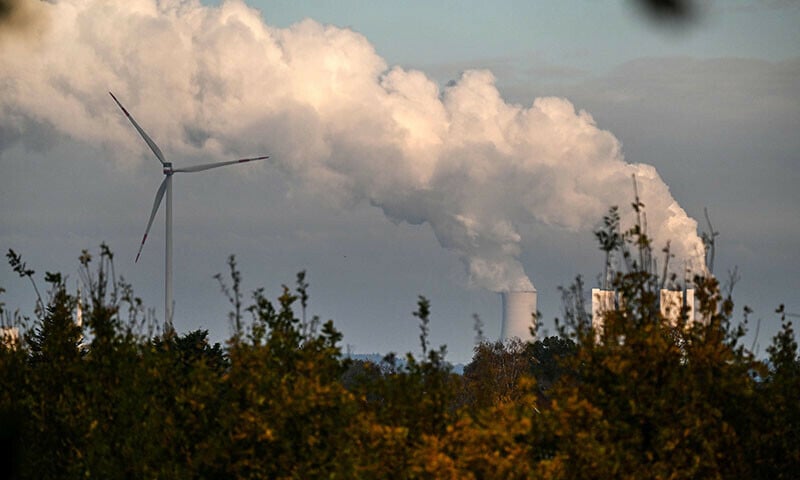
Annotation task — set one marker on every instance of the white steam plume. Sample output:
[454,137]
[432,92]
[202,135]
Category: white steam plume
[218,81]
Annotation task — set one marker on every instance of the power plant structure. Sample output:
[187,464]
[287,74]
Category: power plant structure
[671,303]
[602,301]
[9,337]
[519,315]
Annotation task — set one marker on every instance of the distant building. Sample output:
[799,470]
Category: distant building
[670,304]
[9,337]
[602,301]
[672,301]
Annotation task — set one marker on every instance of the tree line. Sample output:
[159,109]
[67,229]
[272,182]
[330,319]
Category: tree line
[118,397]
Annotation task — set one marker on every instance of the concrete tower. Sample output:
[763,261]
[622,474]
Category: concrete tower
[519,310]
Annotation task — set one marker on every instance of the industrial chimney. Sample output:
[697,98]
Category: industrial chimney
[519,310]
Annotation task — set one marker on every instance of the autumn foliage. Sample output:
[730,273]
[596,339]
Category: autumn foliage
[116,397]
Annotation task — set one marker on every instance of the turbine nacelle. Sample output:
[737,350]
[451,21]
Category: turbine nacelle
[168,168]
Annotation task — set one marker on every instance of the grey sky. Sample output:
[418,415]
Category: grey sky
[713,107]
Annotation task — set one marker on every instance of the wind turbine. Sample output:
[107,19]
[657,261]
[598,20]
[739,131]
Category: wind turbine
[166,187]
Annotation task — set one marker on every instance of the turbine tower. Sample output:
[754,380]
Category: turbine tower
[166,187]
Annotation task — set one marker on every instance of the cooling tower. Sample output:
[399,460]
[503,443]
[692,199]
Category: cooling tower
[519,309]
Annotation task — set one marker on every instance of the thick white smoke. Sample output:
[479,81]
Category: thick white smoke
[219,81]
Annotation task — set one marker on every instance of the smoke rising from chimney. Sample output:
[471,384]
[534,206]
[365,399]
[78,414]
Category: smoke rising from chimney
[219,81]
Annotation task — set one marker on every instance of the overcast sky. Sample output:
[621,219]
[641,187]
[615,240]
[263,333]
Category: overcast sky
[437,148]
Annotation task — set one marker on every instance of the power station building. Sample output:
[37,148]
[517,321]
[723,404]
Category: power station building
[671,303]
[9,337]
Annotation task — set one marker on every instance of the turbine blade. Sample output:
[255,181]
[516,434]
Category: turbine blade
[150,142]
[207,166]
[159,196]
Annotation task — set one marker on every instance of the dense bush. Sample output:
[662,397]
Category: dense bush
[115,397]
